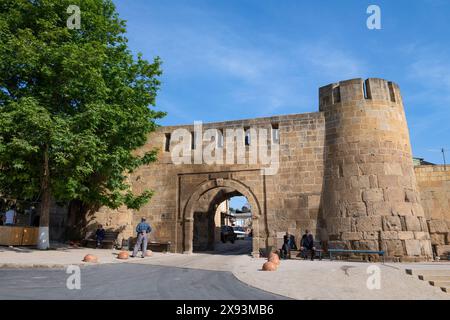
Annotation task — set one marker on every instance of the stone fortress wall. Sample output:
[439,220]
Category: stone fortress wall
[434,186]
[345,173]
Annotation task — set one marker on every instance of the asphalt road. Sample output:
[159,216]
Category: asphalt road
[128,281]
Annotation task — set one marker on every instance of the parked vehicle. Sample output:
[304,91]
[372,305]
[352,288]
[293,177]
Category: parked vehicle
[227,234]
[239,232]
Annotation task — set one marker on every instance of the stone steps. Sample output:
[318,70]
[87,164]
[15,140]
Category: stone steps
[436,277]
[429,272]
[441,284]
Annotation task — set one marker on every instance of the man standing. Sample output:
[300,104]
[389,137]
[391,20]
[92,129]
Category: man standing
[142,229]
[307,244]
[10,216]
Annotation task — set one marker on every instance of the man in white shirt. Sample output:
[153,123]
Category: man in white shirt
[10,216]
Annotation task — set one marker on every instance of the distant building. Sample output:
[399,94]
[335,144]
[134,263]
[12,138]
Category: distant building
[422,162]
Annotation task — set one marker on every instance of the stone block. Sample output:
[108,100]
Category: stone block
[402,209]
[426,248]
[405,235]
[373,195]
[392,223]
[394,194]
[437,226]
[412,223]
[423,224]
[411,196]
[388,235]
[421,235]
[345,236]
[417,210]
[360,182]
[371,235]
[388,181]
[442,250]
[379,208]
[413,247]
[292,203]
[350,170]
[356,209]
[373,181]
[368,224]
[393,247]
[394,169]
[337,225]
[366,245]
[350,195]
[314,201]
[437,238]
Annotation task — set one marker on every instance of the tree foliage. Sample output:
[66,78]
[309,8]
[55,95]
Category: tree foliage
[80,95]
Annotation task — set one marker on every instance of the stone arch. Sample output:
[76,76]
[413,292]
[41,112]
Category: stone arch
[188,212]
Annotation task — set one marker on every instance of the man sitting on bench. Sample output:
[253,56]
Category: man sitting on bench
[99,236]
[307,244]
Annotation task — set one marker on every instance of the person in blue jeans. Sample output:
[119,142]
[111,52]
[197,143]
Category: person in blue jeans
[142,229]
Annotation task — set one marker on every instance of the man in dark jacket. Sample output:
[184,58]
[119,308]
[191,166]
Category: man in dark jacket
[99,235]
[142,229]
[307,244]
[286,248]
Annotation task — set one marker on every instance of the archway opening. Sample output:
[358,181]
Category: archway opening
[222,223]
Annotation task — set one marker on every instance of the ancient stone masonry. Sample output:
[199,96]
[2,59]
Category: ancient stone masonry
[434,186]
[345,173]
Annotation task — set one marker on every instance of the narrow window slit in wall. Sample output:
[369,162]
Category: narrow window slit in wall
[336,94]
[366,92]
[391,91]
[219,138]
[167,143]
[193,136]
[247,136]
[275,133]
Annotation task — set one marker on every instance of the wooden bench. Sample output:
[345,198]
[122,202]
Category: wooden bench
[156,246]
[108,242]
[347,251]
[318,252]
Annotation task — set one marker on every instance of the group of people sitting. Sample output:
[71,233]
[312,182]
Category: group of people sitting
[306,245]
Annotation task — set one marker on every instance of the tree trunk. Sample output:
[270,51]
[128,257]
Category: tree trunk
[44,240]
[76,223]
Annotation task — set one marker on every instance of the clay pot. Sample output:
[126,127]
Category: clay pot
[123,255]
[273,257]
[149,253]
[269,266]
[90,258]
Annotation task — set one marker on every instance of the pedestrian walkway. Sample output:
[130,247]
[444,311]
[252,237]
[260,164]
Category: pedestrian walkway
[296,279]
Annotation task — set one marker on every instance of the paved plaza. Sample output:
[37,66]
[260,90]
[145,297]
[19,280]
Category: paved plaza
[223,274]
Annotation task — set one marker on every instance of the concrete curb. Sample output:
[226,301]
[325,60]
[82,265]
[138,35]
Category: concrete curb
[37,266]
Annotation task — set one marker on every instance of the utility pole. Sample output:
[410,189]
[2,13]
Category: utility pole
[443,155]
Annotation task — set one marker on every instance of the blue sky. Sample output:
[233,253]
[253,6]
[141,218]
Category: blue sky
[238,202]
[237,59]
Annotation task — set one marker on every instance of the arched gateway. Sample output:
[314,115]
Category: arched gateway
[219,184]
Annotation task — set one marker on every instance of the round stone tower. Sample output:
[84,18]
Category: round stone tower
[370,198]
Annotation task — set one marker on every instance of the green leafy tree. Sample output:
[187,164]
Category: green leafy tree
[74,107]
